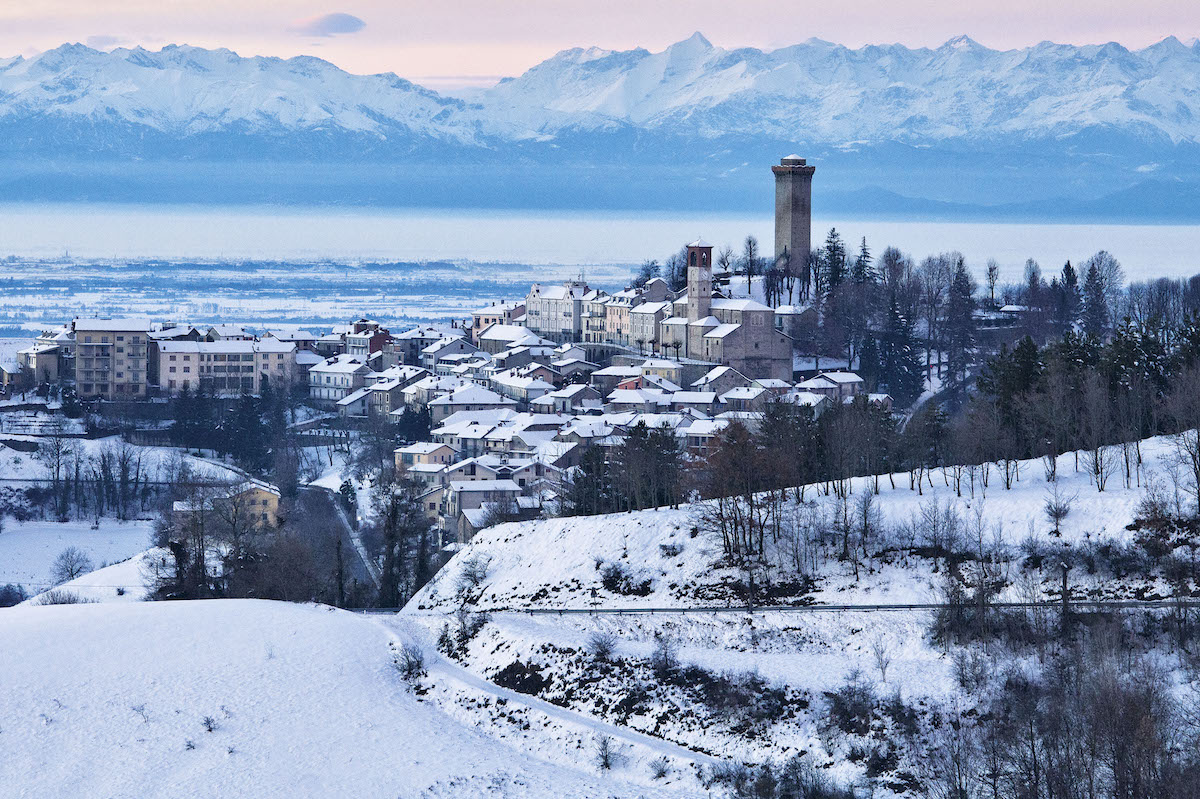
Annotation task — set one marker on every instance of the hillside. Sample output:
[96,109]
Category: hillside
[202,699]
[557,563]
[787,673]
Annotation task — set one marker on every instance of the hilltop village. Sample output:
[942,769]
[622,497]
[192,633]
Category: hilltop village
[510,397]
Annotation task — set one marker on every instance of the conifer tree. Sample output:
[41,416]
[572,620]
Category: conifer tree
[1095,304]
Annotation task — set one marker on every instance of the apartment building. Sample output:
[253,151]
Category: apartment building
[110,358]
[226,366]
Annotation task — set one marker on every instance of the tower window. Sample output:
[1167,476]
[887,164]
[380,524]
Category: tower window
[692,258]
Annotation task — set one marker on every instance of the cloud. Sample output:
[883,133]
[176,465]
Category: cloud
[327,25]
[105,41]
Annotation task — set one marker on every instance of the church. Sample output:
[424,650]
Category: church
[741,333]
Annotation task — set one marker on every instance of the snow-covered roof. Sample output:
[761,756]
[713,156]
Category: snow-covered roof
[484,485]
[340,364]
[472,394]
[135,324]
[721,331]
[354,397]
[743,304]
[841,377]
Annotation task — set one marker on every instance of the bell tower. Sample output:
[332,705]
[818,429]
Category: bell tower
[699,279]
[793,207]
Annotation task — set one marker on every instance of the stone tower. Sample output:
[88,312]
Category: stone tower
[699,279]
[793,207]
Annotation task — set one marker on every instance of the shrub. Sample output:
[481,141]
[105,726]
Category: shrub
[670,550]
[59,596]
[851,706]
[474,572]
[209,723]
[411,663]
[616,578]
[664,660]
[601,646]
[608,754]
[660,768]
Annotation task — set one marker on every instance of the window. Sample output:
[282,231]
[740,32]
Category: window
[120,338]
[171,359]
[172,371]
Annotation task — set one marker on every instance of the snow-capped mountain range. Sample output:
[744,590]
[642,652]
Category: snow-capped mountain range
[1130,111]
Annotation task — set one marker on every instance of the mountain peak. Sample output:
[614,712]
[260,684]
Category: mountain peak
[962,42]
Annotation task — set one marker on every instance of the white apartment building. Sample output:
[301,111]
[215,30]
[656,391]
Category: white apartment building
[226,366]
[333,378]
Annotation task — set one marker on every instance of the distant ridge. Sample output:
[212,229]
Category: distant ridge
[961,125]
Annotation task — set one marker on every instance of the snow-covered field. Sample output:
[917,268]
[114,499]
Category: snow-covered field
[28,549]
[248,698]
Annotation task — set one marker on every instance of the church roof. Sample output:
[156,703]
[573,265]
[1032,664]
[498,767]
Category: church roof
[699,243]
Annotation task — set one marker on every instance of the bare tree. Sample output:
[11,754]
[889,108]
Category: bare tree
[882,654]
[70,563]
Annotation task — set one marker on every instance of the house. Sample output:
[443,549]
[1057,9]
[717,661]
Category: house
[700,436]
[643,324]
[354,405]
[747,398]
[471,495]
[703,401]
[721,379]
[405,347]
[467,398]
[501,337]
[419,394]
[336,377]
[445,347]
[424,454]
[568,399]
[607,379]
[498,313]
[556,312]
[835,385]
[111,358]
[228,333]
[249,504]
[40,362]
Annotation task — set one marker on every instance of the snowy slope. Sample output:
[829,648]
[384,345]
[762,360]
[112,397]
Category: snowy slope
[124,581]
[112,700]
[801,655]
[28,549]
[558,562]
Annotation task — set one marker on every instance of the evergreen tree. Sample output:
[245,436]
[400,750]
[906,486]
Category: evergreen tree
[900,366]
[1095,304]
[960,323]
[863,271]
[1069,300]
[834,260]
[868,362]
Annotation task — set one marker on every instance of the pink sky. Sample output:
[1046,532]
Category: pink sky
[457,42]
